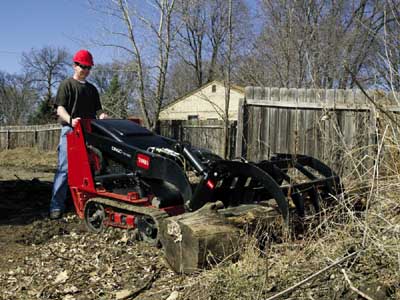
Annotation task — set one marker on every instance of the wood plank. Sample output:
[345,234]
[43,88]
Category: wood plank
[359,98]
[330,105]
[302,132]
[372,129]
[274,95]
[274,134]
[301,96]
[259,93]
[292,131]
[249,139]
[283,125]
[257,124]
[249,92]
[239,149]
[267,94]
[264,135]
[284,95]
[310,96]
[308,132]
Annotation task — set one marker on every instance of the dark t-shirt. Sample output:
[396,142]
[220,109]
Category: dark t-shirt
[79,99]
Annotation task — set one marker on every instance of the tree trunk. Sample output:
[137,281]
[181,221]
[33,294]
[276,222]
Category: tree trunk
[194,241]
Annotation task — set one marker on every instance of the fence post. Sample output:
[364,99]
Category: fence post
[239,129]
[181,130]
[232,138]
[8,139]
[36,139]
[372,137]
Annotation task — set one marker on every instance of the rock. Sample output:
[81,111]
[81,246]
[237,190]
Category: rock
[122,294]
[173,296]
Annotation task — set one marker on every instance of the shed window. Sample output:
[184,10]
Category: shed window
[193,117]
[213,88]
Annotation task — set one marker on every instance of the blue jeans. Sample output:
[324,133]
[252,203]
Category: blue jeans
[60,185]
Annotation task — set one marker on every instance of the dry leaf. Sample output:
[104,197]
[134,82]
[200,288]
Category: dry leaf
[122,294]
[61,277]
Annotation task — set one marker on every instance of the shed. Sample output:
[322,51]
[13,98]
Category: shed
[204,103]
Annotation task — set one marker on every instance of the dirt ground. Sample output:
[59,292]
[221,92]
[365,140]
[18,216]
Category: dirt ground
[45,259]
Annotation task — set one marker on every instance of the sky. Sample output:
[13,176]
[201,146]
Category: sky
[34,24]
[27,24]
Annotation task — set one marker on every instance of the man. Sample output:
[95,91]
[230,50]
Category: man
[76,98]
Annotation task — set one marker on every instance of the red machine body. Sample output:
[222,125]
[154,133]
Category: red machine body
[82,163]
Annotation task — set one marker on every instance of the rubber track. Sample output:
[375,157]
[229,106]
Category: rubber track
[155,213]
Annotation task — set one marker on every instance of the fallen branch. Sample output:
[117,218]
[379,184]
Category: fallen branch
[353,288]
[58,256]
[294,287]
[133,294]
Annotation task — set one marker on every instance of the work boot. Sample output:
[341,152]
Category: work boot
[55,214]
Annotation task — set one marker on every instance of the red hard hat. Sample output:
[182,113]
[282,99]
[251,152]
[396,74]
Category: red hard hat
[83,57]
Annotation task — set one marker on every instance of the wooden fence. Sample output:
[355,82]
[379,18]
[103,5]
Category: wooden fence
[45,137]
[336,126]
[206,134]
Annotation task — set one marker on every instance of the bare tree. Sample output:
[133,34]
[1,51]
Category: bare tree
[308,43]
[386,62]
[217,31]
[118,87]
[192,33]
[17,97]
[203,30]
[180,81]
[136,28]
[46,67]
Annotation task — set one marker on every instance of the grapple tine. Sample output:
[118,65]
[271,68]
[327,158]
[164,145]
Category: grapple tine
[319,178]
[299,203]
[314,199]
[226,171]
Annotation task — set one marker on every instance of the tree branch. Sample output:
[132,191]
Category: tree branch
[297,285]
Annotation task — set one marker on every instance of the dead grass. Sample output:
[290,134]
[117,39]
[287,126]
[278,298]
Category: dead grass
[367,223]
[32,158]
[374,270]
[27,163]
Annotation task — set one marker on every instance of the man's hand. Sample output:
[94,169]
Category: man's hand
[74,122]
[103,116]
[63,114]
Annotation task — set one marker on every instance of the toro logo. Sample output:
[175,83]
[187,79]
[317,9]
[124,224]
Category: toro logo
[143,161]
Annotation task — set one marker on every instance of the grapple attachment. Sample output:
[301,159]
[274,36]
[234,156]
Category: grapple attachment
[304,179]
[288,179]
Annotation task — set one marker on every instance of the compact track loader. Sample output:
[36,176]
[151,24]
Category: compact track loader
[121,174]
